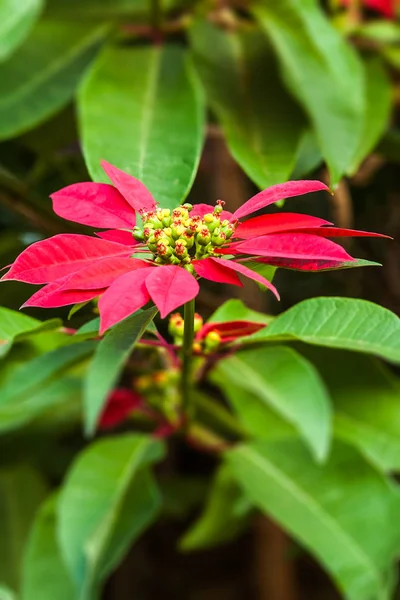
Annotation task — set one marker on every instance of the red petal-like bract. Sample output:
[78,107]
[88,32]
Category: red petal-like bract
[230,330]
[120,404]
[102,273]
[231,264]
[199,210]
[94,204]
[278,192]
[385,7]
[329,232]
[215,271]
[298,264]
[52,296]
[295,245]
[275,223]
[171,286]
[134,192]
[51,259]
[125,296]
[117,235]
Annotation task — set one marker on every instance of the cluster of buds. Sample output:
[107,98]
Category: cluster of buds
[176,238]
[207,344]
[161,392]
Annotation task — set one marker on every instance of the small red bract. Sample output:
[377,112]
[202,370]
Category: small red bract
[386,7]
[160,261]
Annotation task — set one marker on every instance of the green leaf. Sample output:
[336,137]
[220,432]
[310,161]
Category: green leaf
[323,72]
[132,121]
[6,593]
[263,269]
[24,409]
[108,362]
[104,9]
[343,512]
[258,419]
[378,109]
[224,516]
[107,500]
[21,491]
[366,398]
[287,383]
[13,329]
[309,156]
[235,310]
[339,323]
[16,20]
[31,377]
[41,77]
[44,573]
[261,123]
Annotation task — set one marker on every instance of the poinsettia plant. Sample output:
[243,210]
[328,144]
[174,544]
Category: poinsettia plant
[151,382]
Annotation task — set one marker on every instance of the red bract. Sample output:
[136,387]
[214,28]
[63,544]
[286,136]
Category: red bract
[128,266]
[229,331]
[120,404]
[385,7]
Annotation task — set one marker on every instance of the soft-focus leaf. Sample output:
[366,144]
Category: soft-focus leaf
[343,512]
[108,362]
[41,77]
[339,323]
[16,19]
[44,573]
[308,156]
[31,376]
[14,325]
[21,491]
[378,106]
[323,72]
[107,500]
[261,123]
[6,593]
[287,383]
[235,310]
[224,515]
[366,398]
[132,121]
[106,9]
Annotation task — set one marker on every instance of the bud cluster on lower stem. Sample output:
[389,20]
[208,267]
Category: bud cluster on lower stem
[187,351]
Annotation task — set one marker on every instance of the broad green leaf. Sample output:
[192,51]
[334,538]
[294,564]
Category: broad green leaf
[107,500]
[339,323]
[31,377]
[21,491]
[289,384]
[323,72]
[366,398]
[24,408]
[106,9]
[108,362]
[141,109]
[255,416]
[344,512]
[235,310]
[16,19]
[308,156]
[41,76]
[44,573]
[6,593]
[224,516]
[378,108]
[15,327]
[262,124]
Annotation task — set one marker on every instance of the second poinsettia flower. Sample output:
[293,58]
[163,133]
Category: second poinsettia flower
[161,260]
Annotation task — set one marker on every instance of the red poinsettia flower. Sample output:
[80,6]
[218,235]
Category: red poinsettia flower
[162,260]
[228,331]
[120,404]
[385,7]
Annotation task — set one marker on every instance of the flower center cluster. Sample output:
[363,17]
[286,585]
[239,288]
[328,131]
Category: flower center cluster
[176,238]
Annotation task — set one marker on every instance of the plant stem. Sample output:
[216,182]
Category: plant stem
[187,351]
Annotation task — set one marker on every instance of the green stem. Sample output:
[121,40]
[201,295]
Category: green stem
[187,351]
